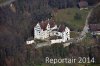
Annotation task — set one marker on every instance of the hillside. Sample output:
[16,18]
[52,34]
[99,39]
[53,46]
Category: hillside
[16,24]
[94,19]
[72,17]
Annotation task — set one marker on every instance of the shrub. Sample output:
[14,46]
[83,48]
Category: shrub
[77,16]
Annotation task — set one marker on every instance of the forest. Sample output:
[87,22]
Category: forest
[16,25]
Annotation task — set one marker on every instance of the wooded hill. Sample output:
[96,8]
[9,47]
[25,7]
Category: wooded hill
[16,24]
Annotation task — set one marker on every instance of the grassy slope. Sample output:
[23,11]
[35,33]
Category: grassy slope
[67,16]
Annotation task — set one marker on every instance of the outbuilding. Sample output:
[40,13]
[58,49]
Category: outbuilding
[83,4]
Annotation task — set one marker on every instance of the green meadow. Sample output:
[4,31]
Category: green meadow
[74,18]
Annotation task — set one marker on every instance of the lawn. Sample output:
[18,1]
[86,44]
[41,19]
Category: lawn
[67,16]
[74,34]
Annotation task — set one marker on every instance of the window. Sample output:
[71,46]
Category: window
[56,33]
[67,38]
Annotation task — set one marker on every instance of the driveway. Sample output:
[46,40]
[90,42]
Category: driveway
[86,28]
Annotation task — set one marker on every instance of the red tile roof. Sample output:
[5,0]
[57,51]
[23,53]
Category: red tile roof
[62,28]
[94,27]
[83,3]
[52,23]
[44,24]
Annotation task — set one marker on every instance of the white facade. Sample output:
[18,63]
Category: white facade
[55,27]
[56,41]
[37,31]
[65,36]
[42,34]
[30,42]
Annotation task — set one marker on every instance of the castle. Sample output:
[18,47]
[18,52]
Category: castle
[48,28]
